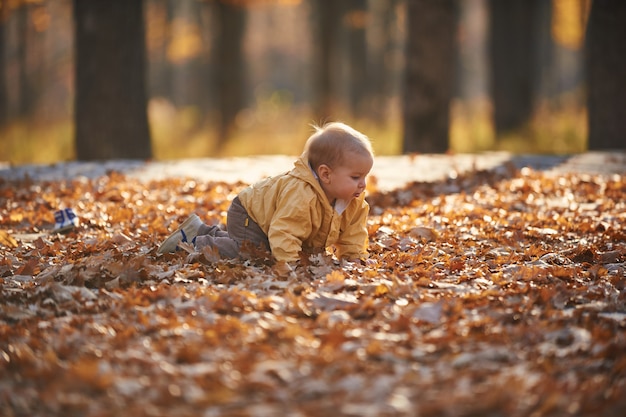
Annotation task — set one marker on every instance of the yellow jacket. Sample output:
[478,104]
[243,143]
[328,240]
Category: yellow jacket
[295,214]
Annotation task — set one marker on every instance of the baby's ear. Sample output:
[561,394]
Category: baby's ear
[323,173]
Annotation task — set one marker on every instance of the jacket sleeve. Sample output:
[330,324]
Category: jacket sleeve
[353,237]
[291,224]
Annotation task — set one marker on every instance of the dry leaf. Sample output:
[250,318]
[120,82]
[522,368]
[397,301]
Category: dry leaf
[489,293]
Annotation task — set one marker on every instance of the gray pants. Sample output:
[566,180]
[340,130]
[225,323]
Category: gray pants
[240,228]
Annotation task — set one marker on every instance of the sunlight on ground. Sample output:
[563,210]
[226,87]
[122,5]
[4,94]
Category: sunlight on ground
[266,130]
[281,129]
[24,142]
[548,132]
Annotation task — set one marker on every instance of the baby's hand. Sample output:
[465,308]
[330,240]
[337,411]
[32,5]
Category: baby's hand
[285,269]
[371,263]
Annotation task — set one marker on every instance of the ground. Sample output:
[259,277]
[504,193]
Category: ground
[495,287]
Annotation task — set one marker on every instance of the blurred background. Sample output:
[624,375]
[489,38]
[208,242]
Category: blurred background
[169,79]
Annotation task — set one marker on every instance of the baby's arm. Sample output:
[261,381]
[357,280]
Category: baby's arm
[353,240]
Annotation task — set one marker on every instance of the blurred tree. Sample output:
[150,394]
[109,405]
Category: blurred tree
[382,64]
[4,100]
[110,104]
[355,20]
[568,19]
[471,59]
[431,29]
[511,50]
[327,24]
[186,54]
[26,90]
[159,17]
[606,75]
[229,68]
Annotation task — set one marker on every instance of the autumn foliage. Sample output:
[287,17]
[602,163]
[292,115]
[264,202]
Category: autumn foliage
[490,294]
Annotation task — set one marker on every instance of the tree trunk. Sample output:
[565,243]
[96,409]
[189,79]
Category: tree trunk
[110,104]
[606,69]
[511,63]
[429,80]
[4,98]
[326,39]
[229,69]
[381,70]
[356,21]
[160,68]
[26,94]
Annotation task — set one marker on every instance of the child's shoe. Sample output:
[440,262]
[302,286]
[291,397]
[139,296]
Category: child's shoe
[64,220]
[185,233]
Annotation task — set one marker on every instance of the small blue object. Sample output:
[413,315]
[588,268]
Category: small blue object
[65,220]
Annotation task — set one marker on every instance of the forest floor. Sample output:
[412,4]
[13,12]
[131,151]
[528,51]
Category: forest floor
[496,286]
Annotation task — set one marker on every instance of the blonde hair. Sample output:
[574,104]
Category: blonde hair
[331,142]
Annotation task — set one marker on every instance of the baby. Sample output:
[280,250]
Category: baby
[319,204]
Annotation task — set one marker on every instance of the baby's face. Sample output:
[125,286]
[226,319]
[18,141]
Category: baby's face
[348,180]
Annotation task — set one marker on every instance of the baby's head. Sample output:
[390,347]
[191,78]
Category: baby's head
[335,143]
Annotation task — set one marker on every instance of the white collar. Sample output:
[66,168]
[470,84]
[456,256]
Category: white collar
[340,205]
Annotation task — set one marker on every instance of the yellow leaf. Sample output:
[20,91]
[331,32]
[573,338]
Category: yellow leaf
[335,276]
[16,217]
[381,289]
[7,240]
[426,233]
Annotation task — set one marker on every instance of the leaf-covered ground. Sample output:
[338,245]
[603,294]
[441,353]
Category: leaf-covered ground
[487,295]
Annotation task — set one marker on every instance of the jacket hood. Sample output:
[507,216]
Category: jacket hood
[303,171]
